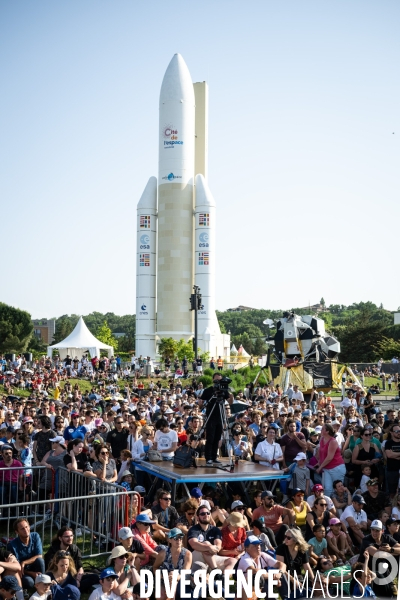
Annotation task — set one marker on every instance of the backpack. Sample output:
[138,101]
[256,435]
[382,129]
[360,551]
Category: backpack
[184,457]
[68,592]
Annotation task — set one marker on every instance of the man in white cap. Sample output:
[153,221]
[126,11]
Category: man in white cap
[254,560]
[383,542]
[126,539]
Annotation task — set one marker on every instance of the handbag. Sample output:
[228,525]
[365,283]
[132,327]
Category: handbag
[184,457]
[154,456]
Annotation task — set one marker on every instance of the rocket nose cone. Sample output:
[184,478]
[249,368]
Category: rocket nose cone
[177,83]
[149,197]
[203,194]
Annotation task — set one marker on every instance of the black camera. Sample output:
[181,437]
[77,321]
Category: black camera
[222,384]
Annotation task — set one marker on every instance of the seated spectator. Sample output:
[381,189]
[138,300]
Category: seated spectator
[127,574]
[340,575]
[375,500]
[166,516]
[233,535]
[300,507]
[341,496]
[27,549]
[205,541]
[108,586]
[174,558]
[338,543]
[10,566]
[186,520]
[64,541]
[126,539]
[43,587]
[355,519]
[319,515]
[319,545]
[379,541]
[318,492]
[62,569]
[276,518]
[254,559]
[293,552]
[391,528]
[10,588]
[141,533]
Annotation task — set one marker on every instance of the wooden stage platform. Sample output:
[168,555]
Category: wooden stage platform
[245,473]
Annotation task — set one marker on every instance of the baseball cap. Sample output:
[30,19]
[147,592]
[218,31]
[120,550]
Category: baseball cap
[376,524]
[174,533]
[59,439]
[125,533]
[317,488]
[267,494]
[252,540]
[10,584]
[334,521]
[74,414]
[139,489]
[196,493]
[318,429]
[109,572]
[236,504]
[27,420]
[10,429]
[372,482]
[321,394]
[360,500]
[42,578]
[143,518]
[301,456]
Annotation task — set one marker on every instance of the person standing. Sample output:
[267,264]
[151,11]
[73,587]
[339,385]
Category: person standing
[214,398]
[330,460]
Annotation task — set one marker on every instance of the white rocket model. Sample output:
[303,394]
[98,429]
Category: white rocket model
[184,238]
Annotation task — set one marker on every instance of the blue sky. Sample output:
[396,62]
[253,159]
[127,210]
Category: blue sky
[303,161]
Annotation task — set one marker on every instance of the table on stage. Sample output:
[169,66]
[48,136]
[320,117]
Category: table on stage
[245,473]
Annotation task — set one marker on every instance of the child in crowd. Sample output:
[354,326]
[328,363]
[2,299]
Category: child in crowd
[366,476]
[337,540]
[319,545]
[300,474]
[43,587]
[126,458]
[363,577]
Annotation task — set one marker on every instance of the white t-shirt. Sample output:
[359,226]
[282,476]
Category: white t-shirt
[269,452]
[165,440]
[98,594]
[359,517]
[262,562]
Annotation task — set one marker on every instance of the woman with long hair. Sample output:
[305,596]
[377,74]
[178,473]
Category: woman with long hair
[335,575]
[351,435]
[293,553]
[42,443]
[319,515]
[365,454]
[104,467]
[62,569]
[52,461]
[127,575]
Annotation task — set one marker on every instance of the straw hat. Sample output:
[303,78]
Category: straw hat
[236,520]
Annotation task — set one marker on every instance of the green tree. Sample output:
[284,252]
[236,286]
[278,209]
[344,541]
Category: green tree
[15,329]
[387,348]
[185,349]
[167,348]
[105,335]
[64,327]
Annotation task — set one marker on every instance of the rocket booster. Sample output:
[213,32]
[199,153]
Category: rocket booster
[146,270]
[175,201]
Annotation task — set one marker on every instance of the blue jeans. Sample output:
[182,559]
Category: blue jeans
[330,475]
[37,567]
[8,493]
[313,406]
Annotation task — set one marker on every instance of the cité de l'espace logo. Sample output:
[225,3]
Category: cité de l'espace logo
[171,137]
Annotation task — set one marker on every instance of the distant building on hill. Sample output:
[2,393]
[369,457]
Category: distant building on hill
[240,308]
[315,308]
[44,329]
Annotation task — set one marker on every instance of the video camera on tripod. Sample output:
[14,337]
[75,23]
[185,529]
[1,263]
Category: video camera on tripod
[221,389]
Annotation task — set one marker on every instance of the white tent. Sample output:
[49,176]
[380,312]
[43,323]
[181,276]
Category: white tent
[234,349]
[79,342]
[242,352]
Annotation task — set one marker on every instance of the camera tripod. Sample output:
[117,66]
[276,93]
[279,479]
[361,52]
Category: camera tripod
[225,430]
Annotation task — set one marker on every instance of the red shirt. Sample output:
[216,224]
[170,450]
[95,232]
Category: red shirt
[11,475]
[272,518]
[230,540]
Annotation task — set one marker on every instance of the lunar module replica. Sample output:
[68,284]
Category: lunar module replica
[305,354]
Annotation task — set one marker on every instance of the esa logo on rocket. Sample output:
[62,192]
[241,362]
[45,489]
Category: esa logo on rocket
[145,242]
[203,240]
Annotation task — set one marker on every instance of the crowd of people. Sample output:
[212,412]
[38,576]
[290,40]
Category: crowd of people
[338,504]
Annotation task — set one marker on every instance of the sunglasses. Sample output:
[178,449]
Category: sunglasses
[191,514]
[204,514]
[288,537]
[63,553]
[323,504]
[104,453]
[166,498]
[177,537]
[325,562]
[367,434]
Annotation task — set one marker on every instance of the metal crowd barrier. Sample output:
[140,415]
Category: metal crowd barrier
[95,510]
[19,485]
